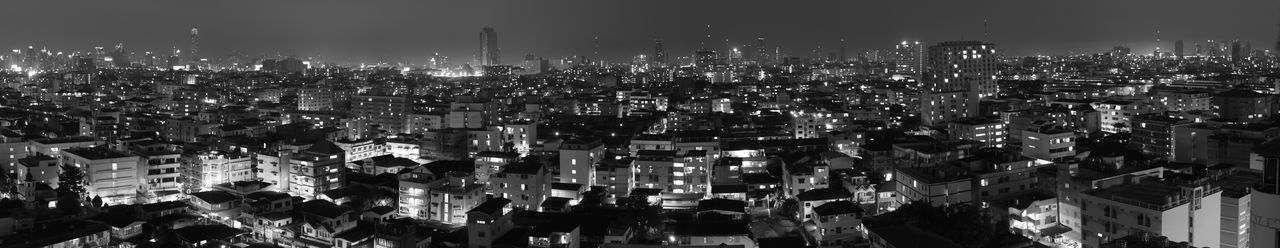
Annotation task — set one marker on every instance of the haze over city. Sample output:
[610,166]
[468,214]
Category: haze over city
[406,30]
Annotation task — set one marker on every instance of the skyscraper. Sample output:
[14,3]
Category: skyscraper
[193,51]
[659,56]
[908,58]
[843,55]
[1246,50]
[1177,48]
[489,47]
[1156,53]
[119,57]
[1235,50]
[762,53]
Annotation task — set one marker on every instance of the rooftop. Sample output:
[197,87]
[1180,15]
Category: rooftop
[492,205]
[1242,93]
[837,207]
[522,168]
[546,229]
[903,236]
[722,205]
[824,194]
[975,121]
[215,197]
[1151,195]
[322,208]
[711,228]
[60,140]
[163,206]
[96,153]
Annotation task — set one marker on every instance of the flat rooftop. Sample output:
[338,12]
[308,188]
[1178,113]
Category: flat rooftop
[96,153]
[1148,195]
[60,140]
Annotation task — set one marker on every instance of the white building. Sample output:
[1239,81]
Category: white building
[108,173]
[1182,213]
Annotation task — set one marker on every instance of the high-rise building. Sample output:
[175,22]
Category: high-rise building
[762,53]
[85,65]
[705,59]
[119,57]
[1157,52]
[1236,54]
[659,56]
[193,51]
[963,66]
[908,58]
[957,75]
[843,55]
[489,47]
[383,113]
[1246,50]
[439,61]
[1177,48]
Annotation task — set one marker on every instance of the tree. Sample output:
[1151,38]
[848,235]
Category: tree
[647,219]
[68,204]
[71,182]
[97,201]
[790,207]
[961,223]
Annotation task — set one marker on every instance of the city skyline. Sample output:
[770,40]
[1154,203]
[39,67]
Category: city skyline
[410,31]
[654,124]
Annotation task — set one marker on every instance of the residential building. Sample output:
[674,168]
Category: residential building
[1244,105]
[317,169]
[1153,133]
[578,158]
[202,170]
[988,131]
[113,175]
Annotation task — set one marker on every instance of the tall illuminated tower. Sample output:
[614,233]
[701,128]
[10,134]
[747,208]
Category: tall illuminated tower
[489,47]
[194,50]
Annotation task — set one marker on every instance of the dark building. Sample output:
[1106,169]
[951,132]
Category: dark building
[1153,133]
[659,56]
[1177,49]
[85,65]
[489,54]
[1235,51]
[1244,105]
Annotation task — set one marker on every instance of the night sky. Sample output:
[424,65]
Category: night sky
[412,29]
